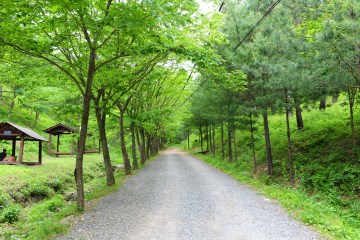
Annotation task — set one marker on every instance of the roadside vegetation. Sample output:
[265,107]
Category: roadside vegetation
[326,191]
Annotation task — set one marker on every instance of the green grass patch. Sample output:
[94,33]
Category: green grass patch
[332,221]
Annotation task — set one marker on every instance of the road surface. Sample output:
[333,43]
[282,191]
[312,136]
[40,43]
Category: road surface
[178,196]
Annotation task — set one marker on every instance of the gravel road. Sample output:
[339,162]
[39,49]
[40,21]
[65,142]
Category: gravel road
[179,197]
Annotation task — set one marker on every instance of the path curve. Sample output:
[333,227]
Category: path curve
[178,196]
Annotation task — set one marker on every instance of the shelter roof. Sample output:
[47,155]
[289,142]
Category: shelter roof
[10,131]
[60,129]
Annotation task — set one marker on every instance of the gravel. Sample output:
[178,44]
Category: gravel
[178,196]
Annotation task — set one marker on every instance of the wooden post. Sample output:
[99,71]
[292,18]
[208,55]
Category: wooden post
[13,147]
[50,143]
[57,144]
[40,152]
[21,150]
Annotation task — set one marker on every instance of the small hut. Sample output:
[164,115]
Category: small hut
[12,132]
[58,130]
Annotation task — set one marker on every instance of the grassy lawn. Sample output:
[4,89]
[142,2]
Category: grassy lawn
[35,200]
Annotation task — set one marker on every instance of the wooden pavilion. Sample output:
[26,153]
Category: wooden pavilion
[58,130]
[12,132]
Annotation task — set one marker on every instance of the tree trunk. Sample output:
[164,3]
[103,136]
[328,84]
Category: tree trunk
[207,136]
[101,121]
[335,97]
[133,147]
[141,147]
[230,142]
[148,145]
[253,143]
[12,104]
[127,165]
[201,138]
[213,135]
[352,95]
[36,119]
[290,156]
[143,143]
[222,142]
[188,138]
[267,143]
[210,139]
[299,119]
[322,103]
[80,199]
[235,148]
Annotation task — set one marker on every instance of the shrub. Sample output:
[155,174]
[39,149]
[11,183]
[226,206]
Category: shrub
[55,204]
[3,201]
[10,214]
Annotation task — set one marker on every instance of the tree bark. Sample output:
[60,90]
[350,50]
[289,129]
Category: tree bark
[122,108]
[299,118]
[133,147]
[141,147]
[235,148]
[201,138]
[213,135]
[207,136]
[352,95]
[253,143]
[230,142]
[101,121]
[222,142]
[322,103]
[290,155]
[210,138]
[80,199]
[267,143]
[143,143]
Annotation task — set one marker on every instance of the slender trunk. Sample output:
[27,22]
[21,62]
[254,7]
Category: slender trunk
[188,138]
[125,155]
[299,119]
[210,139]
[207,136]
[290,156]
[222,142]
[253,143]
[213,135]
[352,96]
[143,143]
[101,121]
[267,142]
[322,103]
[140,146]
[12,104]
[201,138]
[80,199]
[234,137]
[335,97]
[36,119]
[230,142]
[133,147]
[148,145]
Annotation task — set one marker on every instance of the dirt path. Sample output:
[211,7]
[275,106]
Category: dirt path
[179,197]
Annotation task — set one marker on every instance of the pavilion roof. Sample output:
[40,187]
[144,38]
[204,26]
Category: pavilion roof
[60,129]
[10,131]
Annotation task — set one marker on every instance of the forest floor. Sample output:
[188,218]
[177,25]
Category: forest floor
[178,196]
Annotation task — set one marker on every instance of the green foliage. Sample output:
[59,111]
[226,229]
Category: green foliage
[10,213]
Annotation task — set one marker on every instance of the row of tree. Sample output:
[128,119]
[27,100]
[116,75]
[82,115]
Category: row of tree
[123,59]
[291,53]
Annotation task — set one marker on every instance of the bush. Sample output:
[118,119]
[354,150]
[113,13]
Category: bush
[55,204]
[10,214]
[3,202]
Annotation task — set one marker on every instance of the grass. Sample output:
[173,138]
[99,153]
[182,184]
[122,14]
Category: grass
[333,222]
[34,196]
